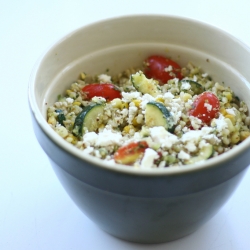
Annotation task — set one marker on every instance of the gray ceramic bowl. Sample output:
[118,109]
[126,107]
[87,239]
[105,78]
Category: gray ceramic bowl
[147,206]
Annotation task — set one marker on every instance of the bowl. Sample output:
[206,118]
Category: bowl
[145,206]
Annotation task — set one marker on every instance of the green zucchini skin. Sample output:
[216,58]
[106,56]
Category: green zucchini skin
[156,114]
[145,85]
[205,153]
[87,119]
[196,88]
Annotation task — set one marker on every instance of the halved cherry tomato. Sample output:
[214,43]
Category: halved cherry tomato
[205,107]
[162,69]
[106,90]
[129,153]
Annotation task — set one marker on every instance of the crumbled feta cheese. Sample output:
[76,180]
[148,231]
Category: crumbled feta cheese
[230,111]
[88,150]
[105,138]
[220,123]
[185,85]
[90,138]
[208,106]
[108,137]
[69,100]
[104,78]
[148,159]
[183,155]
[129,96]
[163,137]
[168,69]
[98,99]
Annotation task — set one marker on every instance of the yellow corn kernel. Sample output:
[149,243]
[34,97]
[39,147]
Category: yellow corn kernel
[62,131]
[186,97]
[231,117]
[134,122]
[244,135]
[223,111]
[124,105]
[160,99]
[72,139]
[127,128]
[231,128]
[52,120]
[227,105]
[83,76]
[228,95]
[68,92]
[235,137]
[71,93]
[137,103]
[76,103]
[101,127]
[116,103]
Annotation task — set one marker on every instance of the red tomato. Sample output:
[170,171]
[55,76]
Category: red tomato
[129,153]
[105,90]
[205,107]
[162,69]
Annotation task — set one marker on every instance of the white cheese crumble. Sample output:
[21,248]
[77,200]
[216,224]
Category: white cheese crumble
[183,155]
[105,138]
[168,69]
[208,106]
[185,85]
[163,137]
[104,78]
[69,100]
[148,159]
[230,111]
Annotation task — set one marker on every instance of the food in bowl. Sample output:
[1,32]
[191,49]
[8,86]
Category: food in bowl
[157,116]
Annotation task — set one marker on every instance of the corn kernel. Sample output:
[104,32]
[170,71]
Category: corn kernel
[127,128]
[76,103]
[223,111]
[231,117]
[83,76]
[235,137]
[72,139]
[116,103]
[62,131]
[52,120]
[231,128]
[71,93]
[124,105]
[244,135]
[137,103]
[228,95]
[134,122]
[186,97]
[160,99]
[68,91]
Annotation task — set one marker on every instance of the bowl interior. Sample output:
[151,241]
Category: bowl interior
[122,43]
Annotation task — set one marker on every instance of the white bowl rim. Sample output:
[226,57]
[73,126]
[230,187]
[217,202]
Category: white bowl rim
[99,163]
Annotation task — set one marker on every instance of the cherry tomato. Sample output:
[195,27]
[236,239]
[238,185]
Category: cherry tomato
[205,107]
[162,69]
[105,90]
[129,153]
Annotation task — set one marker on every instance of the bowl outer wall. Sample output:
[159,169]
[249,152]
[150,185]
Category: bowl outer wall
[144,184]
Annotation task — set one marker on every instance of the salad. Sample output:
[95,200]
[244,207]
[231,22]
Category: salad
[160,115]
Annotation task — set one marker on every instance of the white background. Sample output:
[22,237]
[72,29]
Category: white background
[35,211]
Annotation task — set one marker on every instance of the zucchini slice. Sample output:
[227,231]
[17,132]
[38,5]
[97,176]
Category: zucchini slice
[195,87]
[205,153]
[156,114]
[89,119]
[145,85]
